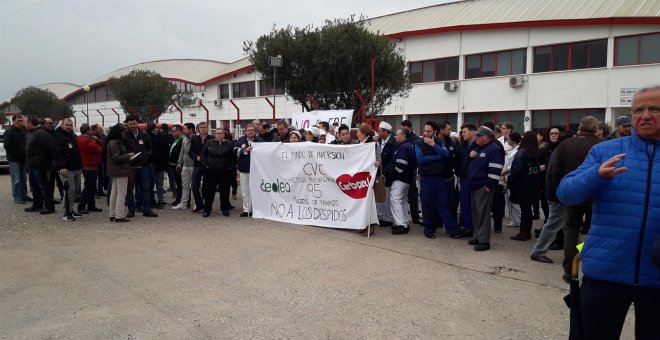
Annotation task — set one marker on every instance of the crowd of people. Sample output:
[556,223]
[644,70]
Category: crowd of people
[466,183]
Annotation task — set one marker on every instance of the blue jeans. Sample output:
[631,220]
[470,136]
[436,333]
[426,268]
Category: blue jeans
[18,181]
[436,194]
[556,221]
[142,190]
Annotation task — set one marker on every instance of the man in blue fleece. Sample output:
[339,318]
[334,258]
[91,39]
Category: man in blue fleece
[623,178]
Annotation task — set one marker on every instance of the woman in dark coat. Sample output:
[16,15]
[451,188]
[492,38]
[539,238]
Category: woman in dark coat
[118,169]
[219,163]
[523,183]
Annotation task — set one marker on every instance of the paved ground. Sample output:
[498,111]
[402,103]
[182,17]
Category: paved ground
[180,276]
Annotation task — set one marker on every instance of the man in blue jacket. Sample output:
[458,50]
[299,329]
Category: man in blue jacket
[483,175]
[243,149]
[436,170]
[623,178]
[400,173]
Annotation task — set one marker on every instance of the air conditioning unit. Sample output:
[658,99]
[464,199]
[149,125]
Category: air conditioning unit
[516,81]
[218,103]
[451,86]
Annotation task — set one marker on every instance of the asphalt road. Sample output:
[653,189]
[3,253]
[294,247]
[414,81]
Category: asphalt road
[180,276]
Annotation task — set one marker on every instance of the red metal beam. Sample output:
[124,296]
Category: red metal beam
[312,100]
[363,106]
[272,106]
[205,109]
[238,111]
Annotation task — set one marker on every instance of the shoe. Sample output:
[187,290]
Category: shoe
[482,247]
[83,211]
[556,246]
[541,258]
[139,209]
[497,231]
[130,215]
[206,214]
[175,203]
[400,230]
[225,213]
[76,215]
[567,278]
[385,223]
[123,219]
[31,209]
[250,214]
[463,233]
[197,209]
[95,209]
[371,230]
[521,237]
[28,199]
[473,242]
[112,219]
[512,225]
[430,235]
[47,211]
[416,221]
[68,218]
[244,214]
[158,206]
[149,214]
[179,207]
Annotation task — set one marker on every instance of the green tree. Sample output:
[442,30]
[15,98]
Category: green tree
[332,62]
[42,103]
[143,93]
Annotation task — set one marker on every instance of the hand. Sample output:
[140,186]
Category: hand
[376,163]
[199,158]
[608,170]
[63,172]
[178,168]
[248,149]
[429,141]
[473,154]
[542,167]
[131,154]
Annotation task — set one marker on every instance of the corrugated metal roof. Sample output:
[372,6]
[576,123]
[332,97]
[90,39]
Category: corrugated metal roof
[61,90]
[485,12]
[191,70]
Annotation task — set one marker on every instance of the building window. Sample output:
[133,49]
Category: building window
[495,64]
[566,118]
[517,118]
[243,90]
[223,91]
[638,49]
[266,88]
[573,56]
[434,70]
[419,120]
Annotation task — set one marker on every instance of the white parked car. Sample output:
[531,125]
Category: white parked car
[4,163]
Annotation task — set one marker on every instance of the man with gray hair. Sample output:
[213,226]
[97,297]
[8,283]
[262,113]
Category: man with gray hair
[66,154]
[622,127]
[568,157]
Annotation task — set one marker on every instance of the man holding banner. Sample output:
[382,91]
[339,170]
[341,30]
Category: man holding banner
[388,145]
[243,147]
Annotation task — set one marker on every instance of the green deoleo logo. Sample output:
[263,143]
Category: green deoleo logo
[277,186]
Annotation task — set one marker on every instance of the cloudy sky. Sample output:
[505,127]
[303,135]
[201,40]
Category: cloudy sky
[76,41]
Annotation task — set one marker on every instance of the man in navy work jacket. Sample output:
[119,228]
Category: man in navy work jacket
[243,148]
[483,175]
[400,173]
[623,178]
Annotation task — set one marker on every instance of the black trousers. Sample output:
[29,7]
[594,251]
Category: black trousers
[605,305]
[87,198]
[413,199]
[217,180]
[498,207]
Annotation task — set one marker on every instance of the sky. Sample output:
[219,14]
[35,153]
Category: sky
[76,41]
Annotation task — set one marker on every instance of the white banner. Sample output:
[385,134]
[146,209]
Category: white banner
[308,119]
[314,184]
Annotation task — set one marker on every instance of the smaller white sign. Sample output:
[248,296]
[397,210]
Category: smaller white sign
[626,95]
[308,119]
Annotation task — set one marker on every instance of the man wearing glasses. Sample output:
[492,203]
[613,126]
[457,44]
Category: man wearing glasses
[506,128]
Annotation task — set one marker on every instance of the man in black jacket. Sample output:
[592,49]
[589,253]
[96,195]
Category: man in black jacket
[243,148]
[14,142]
[413,191]
[387,146]
[66,154]
[139,143]
[159,159]
[39,161]
[175,151]
[196,145]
